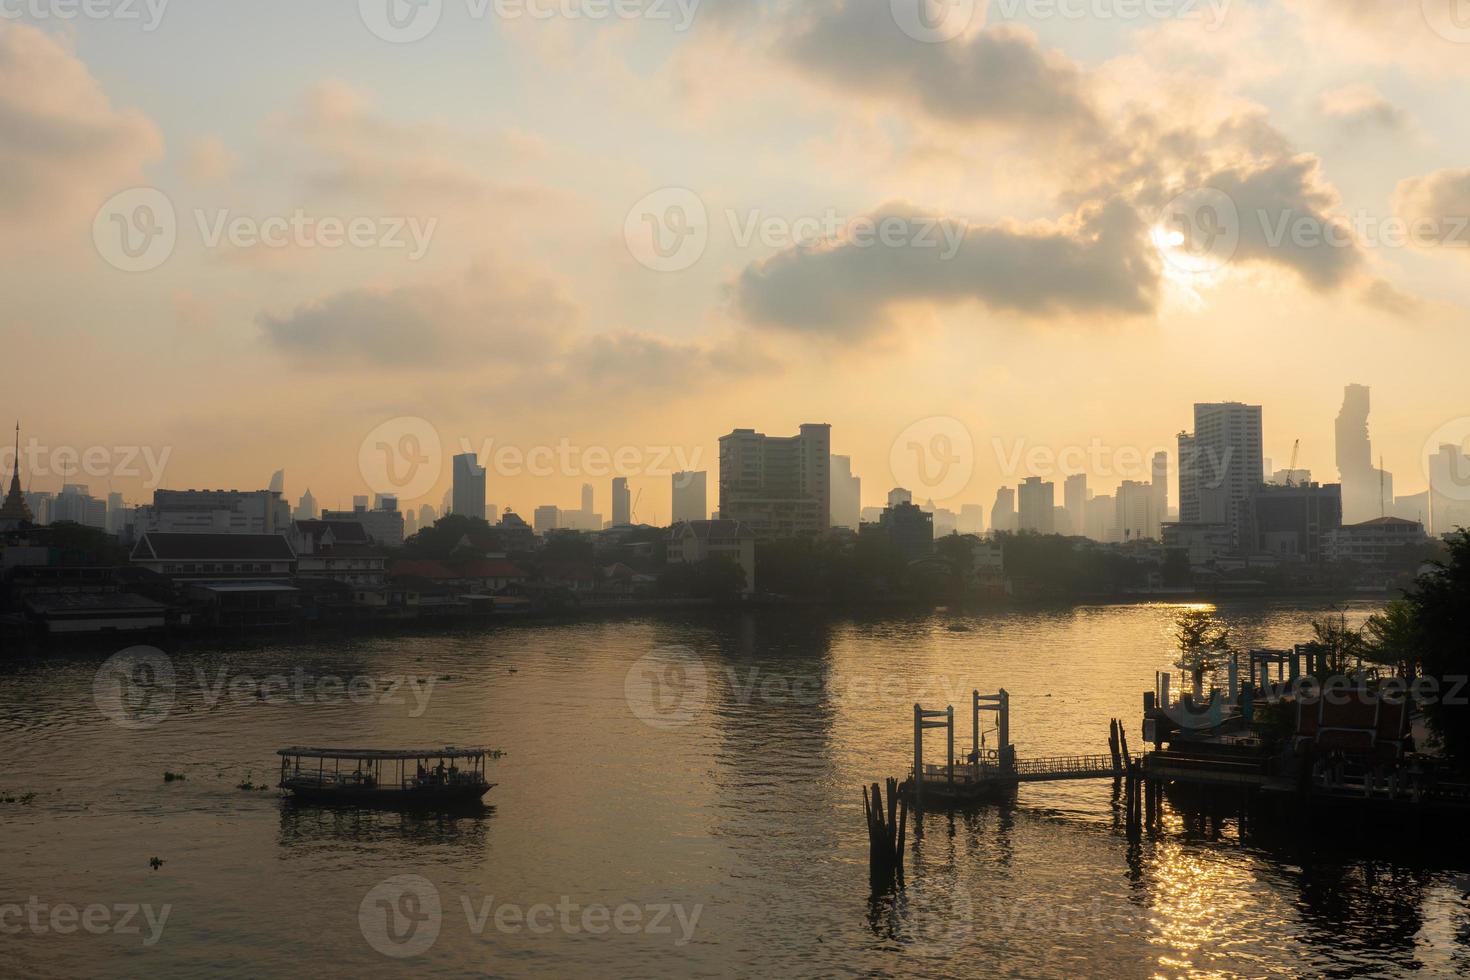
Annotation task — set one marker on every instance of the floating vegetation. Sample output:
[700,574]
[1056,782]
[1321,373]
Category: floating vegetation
[155,863]
[174,777]
[249,786]
[24,799]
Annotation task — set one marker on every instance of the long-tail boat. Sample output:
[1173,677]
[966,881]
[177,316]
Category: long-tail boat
[410,779]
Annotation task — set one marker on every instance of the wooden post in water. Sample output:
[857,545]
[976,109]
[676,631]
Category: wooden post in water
[918,769]
[886,830]
[949,726]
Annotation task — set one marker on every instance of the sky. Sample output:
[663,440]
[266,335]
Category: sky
[352,238]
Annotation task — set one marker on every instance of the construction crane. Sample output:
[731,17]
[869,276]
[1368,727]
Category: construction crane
[1291,470]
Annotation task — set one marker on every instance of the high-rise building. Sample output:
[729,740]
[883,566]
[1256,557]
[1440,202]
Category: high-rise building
[777,486]
[972,519]
[278,482]
[1003,511]
[428,517]
[1221,465]
[306,508]
[1161,495]
[589,501]
[1367,491]
[898,495]
[1294,522]
[469,486]
[909,528]
[622,502]
[1036,505]
[1102,519]
[1074,499]
[547,519]
[847,494]
[383,524]
[1449,489]
[690,497]
[1133,512]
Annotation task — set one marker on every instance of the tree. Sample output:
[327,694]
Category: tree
[1441,601]
[1336,645]
[454,536]
[1204,644]
[1393,638]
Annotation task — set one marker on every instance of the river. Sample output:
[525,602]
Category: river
[680,796]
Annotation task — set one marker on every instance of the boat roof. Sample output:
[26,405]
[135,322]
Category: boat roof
[449,752]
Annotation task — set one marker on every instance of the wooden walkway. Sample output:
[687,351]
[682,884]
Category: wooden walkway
[1052,769]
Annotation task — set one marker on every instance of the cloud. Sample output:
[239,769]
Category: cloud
[1437,209]
[64,148]
[209,161]
[1361,107]
[1420,36]
[1097,262]
[996,75]
[491,315]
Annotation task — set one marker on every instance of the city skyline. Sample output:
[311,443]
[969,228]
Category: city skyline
[561,324]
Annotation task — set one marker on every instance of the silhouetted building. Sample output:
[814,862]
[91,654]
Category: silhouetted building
[1367,491]
[547,519]
[384,527]
[1449,489]
[215,512]
[696,541]
[1373,542]
[777,486]
[306,507]
[1036,505]
[1074,499]
[1221,465]
[15,511]
[622,502]
[909,529]
[1293,522]
[690,500]
[847,494]
[469,486]
[1003,511]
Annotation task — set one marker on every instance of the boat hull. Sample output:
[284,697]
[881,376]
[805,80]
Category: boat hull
[361,797]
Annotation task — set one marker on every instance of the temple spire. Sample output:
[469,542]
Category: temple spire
[15,510]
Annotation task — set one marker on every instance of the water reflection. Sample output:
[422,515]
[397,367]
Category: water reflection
[346,830]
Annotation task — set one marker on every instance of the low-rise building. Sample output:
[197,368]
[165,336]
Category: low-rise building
[1374,542]
[696,541]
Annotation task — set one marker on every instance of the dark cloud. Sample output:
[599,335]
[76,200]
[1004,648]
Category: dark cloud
[999,74]
[1100,265]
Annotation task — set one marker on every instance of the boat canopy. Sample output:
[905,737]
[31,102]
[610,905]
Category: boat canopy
[449,752]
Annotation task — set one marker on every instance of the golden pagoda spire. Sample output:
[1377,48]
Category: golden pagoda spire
[15,509]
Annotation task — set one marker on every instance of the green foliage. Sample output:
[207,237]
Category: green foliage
[717,578]
[454,536]
[1393,639]
[569,546]
[1339,648]
[1204,644]
[1441,602]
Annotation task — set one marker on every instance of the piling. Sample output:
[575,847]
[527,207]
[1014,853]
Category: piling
[887,828]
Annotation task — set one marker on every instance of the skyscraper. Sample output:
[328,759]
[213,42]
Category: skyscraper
[1161,494]
[306,508]
[690,497]
[1221,465]
[847,494]
[589,503]
[1074,499]
[469,486]
[622,502]
[777,485]
[1367,491]
[1003,511]
[1037,505]
[1449,489]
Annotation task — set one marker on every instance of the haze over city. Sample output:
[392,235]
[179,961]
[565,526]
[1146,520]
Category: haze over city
[534,154]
